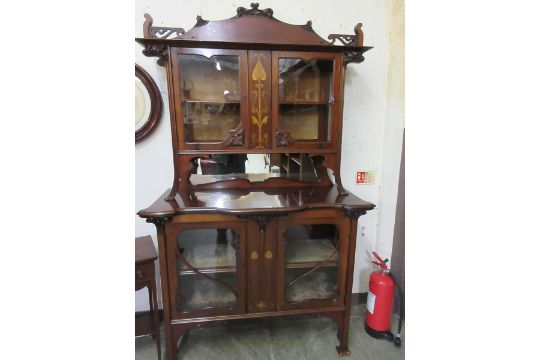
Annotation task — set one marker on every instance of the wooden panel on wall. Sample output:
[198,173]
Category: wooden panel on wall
[260,88]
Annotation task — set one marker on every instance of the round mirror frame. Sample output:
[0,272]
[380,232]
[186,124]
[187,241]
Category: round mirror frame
[156,104]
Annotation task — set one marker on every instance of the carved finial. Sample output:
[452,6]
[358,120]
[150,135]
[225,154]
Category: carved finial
[201,21]
[359,34]
[308,26]
[241,11]
[147,24]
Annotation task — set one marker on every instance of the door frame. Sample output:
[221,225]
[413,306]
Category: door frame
[171,232]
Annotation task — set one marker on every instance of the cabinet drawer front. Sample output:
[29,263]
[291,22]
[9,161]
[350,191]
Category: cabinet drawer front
[144,273]
[206,268]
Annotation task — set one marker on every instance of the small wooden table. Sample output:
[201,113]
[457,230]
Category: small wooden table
[145,276]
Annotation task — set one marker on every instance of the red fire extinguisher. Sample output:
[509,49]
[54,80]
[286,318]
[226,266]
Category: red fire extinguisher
[380,301]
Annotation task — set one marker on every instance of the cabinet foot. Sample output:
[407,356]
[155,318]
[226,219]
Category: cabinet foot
[343,351]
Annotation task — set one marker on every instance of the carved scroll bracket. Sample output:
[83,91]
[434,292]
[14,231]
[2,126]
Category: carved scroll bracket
[283,138]
[352,40]
[159,220]
[352,57]
[354,213]
[262,219]
[237,138]
[235,244]
[160,51]
[242,11]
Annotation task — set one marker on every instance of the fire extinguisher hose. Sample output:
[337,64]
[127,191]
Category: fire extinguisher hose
[397,339]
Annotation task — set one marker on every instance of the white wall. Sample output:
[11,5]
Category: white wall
[373,112]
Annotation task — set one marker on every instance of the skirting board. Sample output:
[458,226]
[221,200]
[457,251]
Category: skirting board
[359,298]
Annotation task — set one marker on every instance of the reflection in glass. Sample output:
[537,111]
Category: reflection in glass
[206,264]
[209,122]
[210,93]
[210,79]
[305,97]
[311,265]
[301,81]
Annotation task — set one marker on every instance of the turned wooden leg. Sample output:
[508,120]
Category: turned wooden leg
[170,345]
[179,334]
[343,336]
[155,314]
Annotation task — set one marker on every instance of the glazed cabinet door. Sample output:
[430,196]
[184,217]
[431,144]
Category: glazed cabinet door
[313,250]
[210,98]
[305,110]
[206,268]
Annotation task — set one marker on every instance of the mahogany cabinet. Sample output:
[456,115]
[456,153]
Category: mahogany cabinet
[237,241]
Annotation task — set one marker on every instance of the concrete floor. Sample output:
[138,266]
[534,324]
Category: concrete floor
[294,338]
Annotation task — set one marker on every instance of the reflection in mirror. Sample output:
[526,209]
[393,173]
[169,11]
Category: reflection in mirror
[296,166]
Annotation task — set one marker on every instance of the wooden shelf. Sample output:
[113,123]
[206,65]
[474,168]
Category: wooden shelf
[310,251]
[303,102]
[203,251]
[209,271]
[309,265]
[212,101]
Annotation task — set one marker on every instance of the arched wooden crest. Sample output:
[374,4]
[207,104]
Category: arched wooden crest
[252,25]
[249,25]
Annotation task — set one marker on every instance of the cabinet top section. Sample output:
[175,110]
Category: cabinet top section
[239,201]
[250,28]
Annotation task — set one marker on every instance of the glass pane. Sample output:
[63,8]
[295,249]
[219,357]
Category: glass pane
[311,265]
[301,81]
[206,266]
[210,122]
[214,79]
[305,97]
[210,94]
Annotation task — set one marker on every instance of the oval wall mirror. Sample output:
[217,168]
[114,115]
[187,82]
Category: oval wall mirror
[148,104]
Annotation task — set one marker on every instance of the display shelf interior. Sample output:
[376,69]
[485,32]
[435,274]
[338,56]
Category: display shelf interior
[199,292]
[320,284]
[306,122]
[305,251]
[308,82]
[207,251]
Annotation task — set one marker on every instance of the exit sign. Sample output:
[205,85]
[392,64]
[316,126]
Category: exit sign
[365,177]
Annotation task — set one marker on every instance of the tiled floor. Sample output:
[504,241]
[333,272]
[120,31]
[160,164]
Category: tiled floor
[294,338]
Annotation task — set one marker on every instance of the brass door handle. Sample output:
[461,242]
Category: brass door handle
[254,255]
[268,255]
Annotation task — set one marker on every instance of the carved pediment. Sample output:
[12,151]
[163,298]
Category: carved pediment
[252,25]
